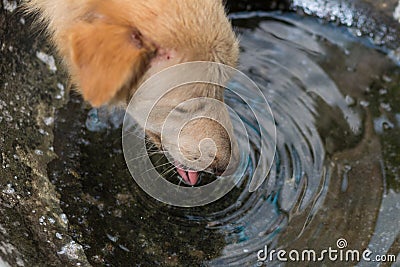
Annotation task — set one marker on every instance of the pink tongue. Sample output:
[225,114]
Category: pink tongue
[190,177]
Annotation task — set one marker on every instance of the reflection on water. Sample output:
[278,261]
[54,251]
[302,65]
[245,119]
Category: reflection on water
[335,173]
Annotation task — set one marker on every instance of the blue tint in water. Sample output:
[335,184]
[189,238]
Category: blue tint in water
[279,55]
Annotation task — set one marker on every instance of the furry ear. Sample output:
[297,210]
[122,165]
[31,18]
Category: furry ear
[106,57]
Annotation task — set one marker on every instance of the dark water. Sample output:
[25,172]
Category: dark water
[335,173]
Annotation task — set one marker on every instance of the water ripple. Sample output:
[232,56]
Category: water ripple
[280,57]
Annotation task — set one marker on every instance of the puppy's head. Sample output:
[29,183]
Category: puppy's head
[116,46]
[192,124]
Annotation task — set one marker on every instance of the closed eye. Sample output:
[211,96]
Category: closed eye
[195,108]
[181,110]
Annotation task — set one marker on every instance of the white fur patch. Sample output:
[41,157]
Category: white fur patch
[396,13]
[10,5]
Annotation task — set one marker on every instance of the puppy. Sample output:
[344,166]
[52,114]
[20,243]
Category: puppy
[111,47]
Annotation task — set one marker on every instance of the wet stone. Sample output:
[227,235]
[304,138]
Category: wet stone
[31,220]
[54,213]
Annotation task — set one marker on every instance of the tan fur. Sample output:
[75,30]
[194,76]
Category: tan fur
[111,46]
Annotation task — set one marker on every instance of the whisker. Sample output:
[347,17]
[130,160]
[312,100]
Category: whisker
[144,155]
[133,133]
[147,154]
[161,165]
[156,167]
[155,153]
[168,170]
[165,173]
[155,163]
